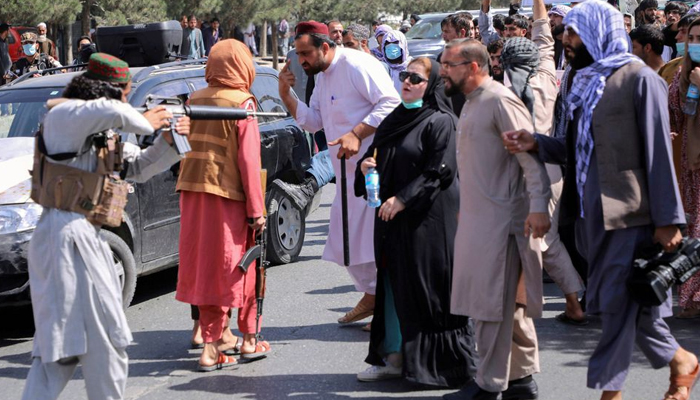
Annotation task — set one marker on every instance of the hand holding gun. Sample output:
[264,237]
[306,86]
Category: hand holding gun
[178,109]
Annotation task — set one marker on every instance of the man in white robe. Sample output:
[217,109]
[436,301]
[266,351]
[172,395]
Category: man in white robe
[352,96]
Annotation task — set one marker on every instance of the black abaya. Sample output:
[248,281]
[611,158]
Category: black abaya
[416,249]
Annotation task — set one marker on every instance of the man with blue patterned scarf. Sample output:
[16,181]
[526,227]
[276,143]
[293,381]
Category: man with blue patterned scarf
[620,189]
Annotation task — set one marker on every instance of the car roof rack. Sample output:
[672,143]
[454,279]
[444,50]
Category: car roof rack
[30,74]
[146,71]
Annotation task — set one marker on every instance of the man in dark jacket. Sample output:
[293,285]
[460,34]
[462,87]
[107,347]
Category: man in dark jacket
[212,34]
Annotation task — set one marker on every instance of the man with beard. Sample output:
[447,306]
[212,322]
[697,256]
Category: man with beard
[335,32]
[647,11]
[648,44]
[356,37]
[349,112]
[495,49]
[497,269]
[556,23]
[46,45]
[604,164]
[456,26]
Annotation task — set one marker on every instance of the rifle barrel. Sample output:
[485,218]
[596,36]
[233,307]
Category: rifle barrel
[197,112]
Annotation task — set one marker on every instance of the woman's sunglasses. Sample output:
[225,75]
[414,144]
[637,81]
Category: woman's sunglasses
[413,77]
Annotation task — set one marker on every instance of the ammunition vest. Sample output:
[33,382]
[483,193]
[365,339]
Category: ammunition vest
[100,196]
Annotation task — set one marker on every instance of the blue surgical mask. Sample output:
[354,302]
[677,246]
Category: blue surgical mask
[694,52]
[29,49]
[393,51]
[680,49]
[413,105]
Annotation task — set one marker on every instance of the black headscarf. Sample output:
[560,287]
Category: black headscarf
[402,120]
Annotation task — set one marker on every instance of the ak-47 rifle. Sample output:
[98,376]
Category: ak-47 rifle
[178,109]
[257,253]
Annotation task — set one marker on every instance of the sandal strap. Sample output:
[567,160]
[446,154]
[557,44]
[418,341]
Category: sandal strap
[262,346]
[224,359]
[686,380]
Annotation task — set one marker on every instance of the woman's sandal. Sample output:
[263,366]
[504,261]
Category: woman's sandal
[678,381]
[235,350]
[222,362]
[262,349]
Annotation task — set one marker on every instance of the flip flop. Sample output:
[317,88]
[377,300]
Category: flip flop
[568,320]
[235,350]
[687,381]
[262,349]
[222,362]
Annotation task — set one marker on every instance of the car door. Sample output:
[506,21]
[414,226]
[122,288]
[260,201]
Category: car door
[159,203]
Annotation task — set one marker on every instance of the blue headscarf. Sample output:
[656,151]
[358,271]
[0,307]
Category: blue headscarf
[602,30]
[377,52]
[396,68]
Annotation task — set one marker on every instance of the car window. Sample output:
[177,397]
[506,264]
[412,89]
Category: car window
[11,38]
[198,84]
[21,111]
[266,91]
[177,89]
[425,29]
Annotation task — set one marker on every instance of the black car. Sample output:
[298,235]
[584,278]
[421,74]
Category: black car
[147,241]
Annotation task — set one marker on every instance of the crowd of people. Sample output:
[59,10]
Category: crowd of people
[501,159]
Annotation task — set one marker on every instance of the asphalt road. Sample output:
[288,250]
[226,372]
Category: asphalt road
[313,357]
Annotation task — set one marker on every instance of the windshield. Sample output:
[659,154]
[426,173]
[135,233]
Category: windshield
[21,111]
[427,28]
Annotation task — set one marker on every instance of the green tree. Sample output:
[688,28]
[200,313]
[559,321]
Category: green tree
[30,12]
[127,12]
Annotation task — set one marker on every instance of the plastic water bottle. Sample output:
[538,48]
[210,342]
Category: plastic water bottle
[691,100]
[372,187]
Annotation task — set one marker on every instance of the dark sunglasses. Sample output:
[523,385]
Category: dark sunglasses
[413,77]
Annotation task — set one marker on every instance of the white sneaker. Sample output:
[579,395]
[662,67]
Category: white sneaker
[379,373]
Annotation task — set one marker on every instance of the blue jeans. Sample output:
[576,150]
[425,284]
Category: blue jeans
[321,168]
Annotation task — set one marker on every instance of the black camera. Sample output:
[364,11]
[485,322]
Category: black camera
[655,271]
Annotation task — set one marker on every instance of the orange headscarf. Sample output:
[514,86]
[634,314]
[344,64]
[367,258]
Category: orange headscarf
[230,65]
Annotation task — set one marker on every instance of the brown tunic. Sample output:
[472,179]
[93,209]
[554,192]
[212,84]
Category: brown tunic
[494,203]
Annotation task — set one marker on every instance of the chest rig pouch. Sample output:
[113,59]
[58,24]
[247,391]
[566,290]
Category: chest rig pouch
[100,196]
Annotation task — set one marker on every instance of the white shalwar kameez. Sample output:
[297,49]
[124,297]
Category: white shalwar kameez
[75,290]
[355,88]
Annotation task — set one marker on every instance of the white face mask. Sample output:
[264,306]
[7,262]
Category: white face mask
[42,37]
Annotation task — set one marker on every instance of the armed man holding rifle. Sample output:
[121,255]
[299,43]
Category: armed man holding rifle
[76,295]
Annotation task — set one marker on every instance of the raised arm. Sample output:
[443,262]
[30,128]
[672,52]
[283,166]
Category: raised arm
[309,117]
[542,37]
[486,29]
